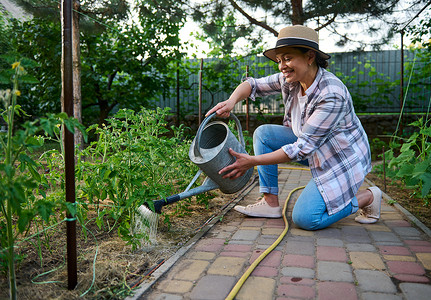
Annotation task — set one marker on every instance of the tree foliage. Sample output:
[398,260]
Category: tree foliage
[125,65]
[255,19]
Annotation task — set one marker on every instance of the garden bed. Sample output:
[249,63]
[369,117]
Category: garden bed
[117,267]
[404,197]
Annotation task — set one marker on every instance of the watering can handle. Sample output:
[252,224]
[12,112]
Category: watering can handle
[205,122]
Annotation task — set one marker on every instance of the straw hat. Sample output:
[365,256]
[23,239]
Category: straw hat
[296,36]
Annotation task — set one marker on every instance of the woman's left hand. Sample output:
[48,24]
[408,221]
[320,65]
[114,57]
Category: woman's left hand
[239,167]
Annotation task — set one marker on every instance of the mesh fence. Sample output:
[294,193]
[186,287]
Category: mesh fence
[373,79]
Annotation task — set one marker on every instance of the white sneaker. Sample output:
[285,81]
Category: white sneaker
[371,213]
[260,209]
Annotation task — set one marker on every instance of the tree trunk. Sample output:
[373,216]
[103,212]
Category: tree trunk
[76,63]
[297,12]
[76,72]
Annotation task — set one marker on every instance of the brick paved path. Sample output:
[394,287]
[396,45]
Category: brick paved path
[387,260]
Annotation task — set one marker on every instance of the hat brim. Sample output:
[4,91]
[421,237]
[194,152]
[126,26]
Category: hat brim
[271,53]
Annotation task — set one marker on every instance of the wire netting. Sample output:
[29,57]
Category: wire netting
[373,79]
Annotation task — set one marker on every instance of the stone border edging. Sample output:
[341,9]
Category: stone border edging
[404,211]
[167,265]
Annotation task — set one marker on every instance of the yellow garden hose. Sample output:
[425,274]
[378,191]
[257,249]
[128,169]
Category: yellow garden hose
[295,168]
[250,269]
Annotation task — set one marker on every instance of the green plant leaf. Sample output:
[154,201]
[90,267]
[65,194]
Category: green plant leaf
[426,187]
[45,209]
[24,219]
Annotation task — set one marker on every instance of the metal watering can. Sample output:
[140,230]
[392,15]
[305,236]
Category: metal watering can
[210,152]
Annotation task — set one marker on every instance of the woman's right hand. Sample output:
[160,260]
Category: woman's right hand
[222,109]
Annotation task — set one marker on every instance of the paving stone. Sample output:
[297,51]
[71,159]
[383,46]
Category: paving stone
[201,255]
[191,269]
[304,261]
[329,242]
[397,223]
[249,228]
[210,245]
[399,257]
[365,239]
[298,272]
[221,235]
[388,208]
[263,247]
[302,238]
[416,291]
[272,231]
[378,227]
[421,249]
[275,223]
[394,250]
[257,288]
[375,281]
[406,231]
[273,259]
[237,248]
[263,271]
[366,260]
[227,228]
[297,280]
[391,216]
[175,286]
[296,291]
[405,267]
[168,297]
[418,238]
[412,278]
[331,253]
[253,223]
[361,247]
[336,290]
[213,287]
[236,242]
[380,296]
[267,240]
[380,236]
[417,243]
[425,259]
[234,254]
[301,232]
[297,247]
[334,271]
[247,235]
[353,230]
[332,233]
[229,266]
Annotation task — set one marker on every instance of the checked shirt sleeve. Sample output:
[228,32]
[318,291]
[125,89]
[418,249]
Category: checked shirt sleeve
[265,86]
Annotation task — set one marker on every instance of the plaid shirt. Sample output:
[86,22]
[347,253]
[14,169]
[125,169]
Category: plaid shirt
[333,139]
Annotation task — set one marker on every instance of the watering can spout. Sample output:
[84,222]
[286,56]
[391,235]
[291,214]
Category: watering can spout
[207,185]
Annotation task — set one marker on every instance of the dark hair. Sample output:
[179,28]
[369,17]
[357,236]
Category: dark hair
[320,61]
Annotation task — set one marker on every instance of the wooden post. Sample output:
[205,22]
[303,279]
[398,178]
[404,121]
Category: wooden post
[200,90]
[384,169]
[69,146]
[401,84]
[178,95]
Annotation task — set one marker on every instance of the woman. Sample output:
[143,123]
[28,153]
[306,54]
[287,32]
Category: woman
[320,129]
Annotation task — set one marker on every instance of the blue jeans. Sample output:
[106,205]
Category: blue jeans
[310,211]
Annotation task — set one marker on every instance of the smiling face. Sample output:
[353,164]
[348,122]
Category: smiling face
[297,66]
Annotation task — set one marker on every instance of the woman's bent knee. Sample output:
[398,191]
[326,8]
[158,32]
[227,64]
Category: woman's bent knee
[306,221]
